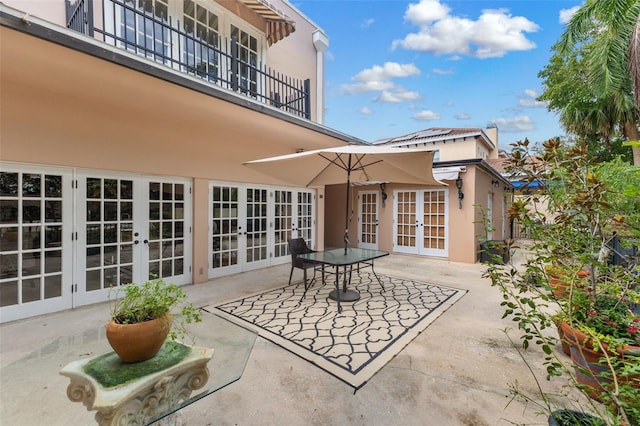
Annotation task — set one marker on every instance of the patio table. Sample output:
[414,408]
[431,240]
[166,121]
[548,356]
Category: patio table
[37,376]
[345,258]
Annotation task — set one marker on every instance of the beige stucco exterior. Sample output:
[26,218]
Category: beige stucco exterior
[65,108]
[79,105]
[465,226]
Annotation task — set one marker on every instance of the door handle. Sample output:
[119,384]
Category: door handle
[146,241]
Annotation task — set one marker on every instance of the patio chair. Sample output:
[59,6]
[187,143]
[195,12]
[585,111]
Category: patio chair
[299,246]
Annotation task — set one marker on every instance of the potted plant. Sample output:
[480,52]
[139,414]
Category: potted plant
[142,318]
[588,205]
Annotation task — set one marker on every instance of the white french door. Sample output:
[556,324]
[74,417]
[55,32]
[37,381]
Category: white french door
[130,229]
[421,222]
[250,225]
[368,217]
[36,254]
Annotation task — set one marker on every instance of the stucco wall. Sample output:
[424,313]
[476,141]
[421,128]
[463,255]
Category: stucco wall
[465,228]
[64,108]
[456,150]
[49,10]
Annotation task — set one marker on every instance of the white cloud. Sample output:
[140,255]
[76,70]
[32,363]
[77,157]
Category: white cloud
[330,56]
[426,12]
[567,14]
[515,124]
[365,111]
[529,100]
[388,70]
[449,104]
[443,72]
[378,78]
[495,33]
[397,96]
[367,22]
[368,86]
[462,116]
[426,115]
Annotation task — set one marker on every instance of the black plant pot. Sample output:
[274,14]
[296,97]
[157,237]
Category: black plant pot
[573,418]
[494,251]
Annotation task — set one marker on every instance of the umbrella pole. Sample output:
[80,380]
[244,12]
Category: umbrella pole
[346,216]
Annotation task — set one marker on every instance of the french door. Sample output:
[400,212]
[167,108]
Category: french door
[421,222]
[130,229]
[250,225]
[36,254]
[368,217]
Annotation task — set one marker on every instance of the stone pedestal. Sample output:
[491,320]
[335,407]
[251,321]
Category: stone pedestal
[139,401]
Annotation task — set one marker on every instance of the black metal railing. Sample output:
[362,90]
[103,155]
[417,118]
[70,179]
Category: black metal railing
[79,16]
[148,33]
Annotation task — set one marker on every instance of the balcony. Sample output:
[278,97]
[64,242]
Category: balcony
[137,27]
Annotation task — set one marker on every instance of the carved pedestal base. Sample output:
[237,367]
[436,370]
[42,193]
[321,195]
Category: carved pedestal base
[142,400]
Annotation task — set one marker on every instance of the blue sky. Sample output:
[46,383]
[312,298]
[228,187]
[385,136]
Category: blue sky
[394,67]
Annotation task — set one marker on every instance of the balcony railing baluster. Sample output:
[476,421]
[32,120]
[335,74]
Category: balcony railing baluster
[218,65]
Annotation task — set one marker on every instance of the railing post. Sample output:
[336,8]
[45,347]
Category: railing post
[234,64]
[307,99]
[90,17]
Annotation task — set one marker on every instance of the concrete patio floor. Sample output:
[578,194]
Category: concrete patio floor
[457,372]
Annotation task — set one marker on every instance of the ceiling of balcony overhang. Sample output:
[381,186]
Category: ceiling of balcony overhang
[78,81]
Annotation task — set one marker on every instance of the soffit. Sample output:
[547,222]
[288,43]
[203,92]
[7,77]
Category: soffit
[60,79]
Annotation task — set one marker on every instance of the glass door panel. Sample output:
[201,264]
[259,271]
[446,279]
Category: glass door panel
[283,222]
[224,229]
[256,233]
[435,223]
[168,231]
[405,208]
[107,236]
[368,220]
[248,56]
[305,217]
[202,35]
[421,222]
[35,241]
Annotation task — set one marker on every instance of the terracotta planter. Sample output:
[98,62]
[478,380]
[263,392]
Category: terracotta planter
[566,349]
[138,342]
[589,370]
[559,285]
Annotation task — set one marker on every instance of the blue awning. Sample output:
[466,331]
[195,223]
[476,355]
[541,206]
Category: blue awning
[519,184]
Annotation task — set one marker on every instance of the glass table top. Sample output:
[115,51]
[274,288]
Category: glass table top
[338,257]
[32,389]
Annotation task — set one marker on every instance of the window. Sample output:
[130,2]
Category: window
[248,56]
[201,27]
[144,27]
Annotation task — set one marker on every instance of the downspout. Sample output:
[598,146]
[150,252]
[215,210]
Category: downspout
[321,43]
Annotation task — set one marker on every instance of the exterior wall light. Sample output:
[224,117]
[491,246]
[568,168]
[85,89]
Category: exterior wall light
[460,194]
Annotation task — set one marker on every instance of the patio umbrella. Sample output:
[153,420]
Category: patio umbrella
[350,163]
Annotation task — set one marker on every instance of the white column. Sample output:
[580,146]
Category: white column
[321,43]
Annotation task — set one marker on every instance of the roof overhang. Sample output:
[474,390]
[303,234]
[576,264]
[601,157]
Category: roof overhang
[413,139]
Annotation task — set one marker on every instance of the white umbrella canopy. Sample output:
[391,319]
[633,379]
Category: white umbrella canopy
[350,163]
[357,163]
